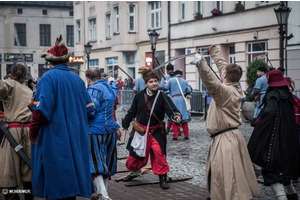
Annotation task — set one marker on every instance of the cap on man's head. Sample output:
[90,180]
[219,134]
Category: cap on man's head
[170,67]
[177,72]
[262,69]
[58,53]
[276,79]
[148,74]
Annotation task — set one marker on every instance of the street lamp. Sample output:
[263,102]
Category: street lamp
[153,40]
[88,48]
[282,14]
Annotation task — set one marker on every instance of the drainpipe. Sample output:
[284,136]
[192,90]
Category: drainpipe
[286,43]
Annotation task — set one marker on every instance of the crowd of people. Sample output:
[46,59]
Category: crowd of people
[70,132]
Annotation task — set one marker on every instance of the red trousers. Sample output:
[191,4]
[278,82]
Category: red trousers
[185,128]
[158,160]
[169,124]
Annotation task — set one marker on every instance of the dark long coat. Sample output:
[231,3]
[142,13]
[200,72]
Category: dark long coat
[274,143]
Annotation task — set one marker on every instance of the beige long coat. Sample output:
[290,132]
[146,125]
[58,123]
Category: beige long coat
[15,97]
[229,171]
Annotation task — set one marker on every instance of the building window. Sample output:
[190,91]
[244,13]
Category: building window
[93,29]
[263,3]
[70,35]
[155,14]
[199,7]
[20,11]
[112,68]
[232,54]
[131,18]
[117,20]
[256,51]
[94,63]
[43,68]
[45,35]
[108,26]
[219,5]
[71,13]
[45,12]
[209,62]
[21,33]
[78,31]
[182,11]
[241,2]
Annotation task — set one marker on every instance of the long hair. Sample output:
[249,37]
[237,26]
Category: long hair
[18,72]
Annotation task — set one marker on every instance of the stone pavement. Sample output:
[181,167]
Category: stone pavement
[186,158]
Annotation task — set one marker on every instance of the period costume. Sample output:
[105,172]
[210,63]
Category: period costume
[155,137]
[229,171]
[177,98]
[15,97]
[102,134]
[274,143]
[261,84]
[60,159]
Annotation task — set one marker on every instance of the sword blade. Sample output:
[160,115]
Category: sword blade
[177,58]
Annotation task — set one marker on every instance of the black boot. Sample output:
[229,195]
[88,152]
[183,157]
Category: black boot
[129,178]
[292,196]
[28,186]
[163,181]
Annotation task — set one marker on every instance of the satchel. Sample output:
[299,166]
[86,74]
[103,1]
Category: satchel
[187,101]
[138,128]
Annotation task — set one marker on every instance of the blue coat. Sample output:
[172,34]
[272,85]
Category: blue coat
[101,118]
[172,85]
[60,160]
[139,84]
[261,84]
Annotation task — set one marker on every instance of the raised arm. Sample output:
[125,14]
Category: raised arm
[218,58]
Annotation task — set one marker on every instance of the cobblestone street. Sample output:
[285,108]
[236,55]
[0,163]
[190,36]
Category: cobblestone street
[186,158]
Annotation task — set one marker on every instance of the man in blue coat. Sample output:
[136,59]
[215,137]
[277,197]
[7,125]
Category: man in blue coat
[59,131]
[103,131]
[139,82]
[179,102]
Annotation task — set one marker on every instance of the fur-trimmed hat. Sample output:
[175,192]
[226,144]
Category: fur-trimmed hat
[142,69]
[170,67]
[148,74]
[58,53]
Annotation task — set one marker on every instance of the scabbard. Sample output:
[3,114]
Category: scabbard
[17,147]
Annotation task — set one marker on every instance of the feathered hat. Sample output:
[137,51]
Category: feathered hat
[142,69]
[148,74]
[59,52]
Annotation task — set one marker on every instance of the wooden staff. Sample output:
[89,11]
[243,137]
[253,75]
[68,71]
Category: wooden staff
[125,72]
[144,169]
[160,70]
[170,180]
[123,136]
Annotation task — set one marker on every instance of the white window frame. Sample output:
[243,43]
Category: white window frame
[116,19]
[221,5]
[92,60]
[182,12]
[231,56]
[199,7]
[263,3]
[78,26]
[108,26]
[93,29]
[132,16]
[156,12]
[250,51]
[209,62]
[112,67]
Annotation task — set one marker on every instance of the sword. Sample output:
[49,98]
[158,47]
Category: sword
[17,147]
[160,70]
[177,58]
[170,180]
[125,72]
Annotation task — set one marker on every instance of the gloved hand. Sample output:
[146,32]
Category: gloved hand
[197,58]
[188,96]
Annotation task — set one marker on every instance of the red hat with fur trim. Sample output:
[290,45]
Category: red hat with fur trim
[58,53]
[276,79]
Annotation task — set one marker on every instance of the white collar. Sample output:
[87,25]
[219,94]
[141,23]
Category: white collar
[148,93]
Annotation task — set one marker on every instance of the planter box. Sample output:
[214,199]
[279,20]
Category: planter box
[248,110]
[198,17]
[240,8]
[217,14]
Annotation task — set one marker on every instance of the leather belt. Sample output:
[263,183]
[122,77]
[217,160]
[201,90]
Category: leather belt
[220,132]
[177,95]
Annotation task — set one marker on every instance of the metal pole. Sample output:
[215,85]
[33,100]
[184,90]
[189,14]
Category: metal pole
[88,58]
[153,59]
[281,45]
